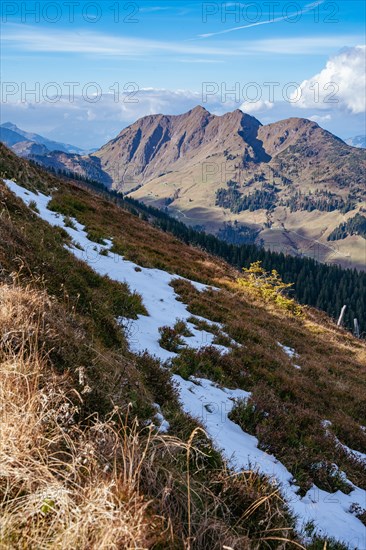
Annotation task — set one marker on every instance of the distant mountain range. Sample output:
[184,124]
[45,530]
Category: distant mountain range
[289,185]
[26,144]
[358,141]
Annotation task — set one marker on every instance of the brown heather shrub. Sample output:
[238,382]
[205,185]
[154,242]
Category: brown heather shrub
[288,405]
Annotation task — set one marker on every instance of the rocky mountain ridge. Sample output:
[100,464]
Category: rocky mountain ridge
[26,144]
[290,182]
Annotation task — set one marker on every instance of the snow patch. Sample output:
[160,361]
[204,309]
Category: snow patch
[355,454]
[290,352]
[330,513]
[162,422]
[154,285]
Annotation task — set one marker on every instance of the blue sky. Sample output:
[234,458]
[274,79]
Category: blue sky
[174,55]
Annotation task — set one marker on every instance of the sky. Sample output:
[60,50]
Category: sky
[80,71]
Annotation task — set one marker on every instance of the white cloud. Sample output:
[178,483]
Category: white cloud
[319,118]
[340,85]
[31,39]
[88,125]
[303,45]
[254,107]
[90,42]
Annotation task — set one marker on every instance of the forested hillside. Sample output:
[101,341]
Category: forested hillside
[327,287]
[354,226]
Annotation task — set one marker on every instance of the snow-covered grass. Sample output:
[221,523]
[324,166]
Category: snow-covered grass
[200,397]
[355,454]
[330,514]
[290,352]
[159,297]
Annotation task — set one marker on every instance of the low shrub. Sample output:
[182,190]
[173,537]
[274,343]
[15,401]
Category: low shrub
[269,286]
[170,339]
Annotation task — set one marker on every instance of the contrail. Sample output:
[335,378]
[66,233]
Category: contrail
[306,9]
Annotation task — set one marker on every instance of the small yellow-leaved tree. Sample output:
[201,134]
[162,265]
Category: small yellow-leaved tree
[269,286]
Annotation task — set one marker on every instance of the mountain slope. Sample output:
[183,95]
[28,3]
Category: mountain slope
[268,369]
[159,143]
[79,410]
[308,184]
[325,287]
[87,165]
[290,183]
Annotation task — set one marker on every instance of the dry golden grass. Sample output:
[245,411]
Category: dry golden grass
[59,483]
[68,481]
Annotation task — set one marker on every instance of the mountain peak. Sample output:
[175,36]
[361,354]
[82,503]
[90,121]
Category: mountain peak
[199,109]
[10,126]
[11,134]
[241,116]
[198,112]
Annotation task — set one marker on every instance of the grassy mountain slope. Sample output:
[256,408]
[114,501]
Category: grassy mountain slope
[286,411]
[125,485]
